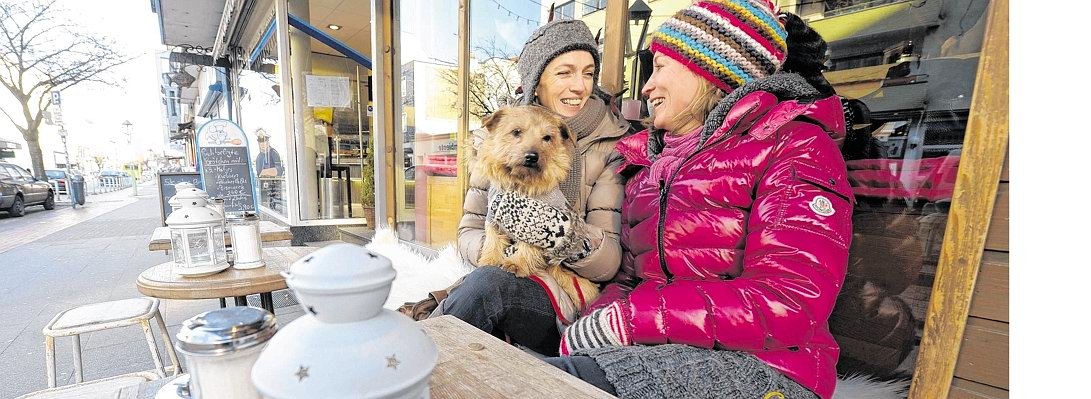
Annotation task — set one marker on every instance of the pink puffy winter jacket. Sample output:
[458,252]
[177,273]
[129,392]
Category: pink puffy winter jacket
[745,245]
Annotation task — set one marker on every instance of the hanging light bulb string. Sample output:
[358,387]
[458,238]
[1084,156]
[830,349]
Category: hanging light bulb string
[514,14]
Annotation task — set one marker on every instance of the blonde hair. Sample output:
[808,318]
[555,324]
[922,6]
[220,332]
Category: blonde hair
[703,102]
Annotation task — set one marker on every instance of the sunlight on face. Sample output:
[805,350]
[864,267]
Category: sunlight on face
[670,90]
[567,82]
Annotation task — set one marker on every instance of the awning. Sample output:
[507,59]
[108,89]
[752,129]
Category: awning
[859,82]
[189,22]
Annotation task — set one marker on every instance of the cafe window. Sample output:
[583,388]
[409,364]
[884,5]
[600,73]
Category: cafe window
[591,6]
[331,125]
[909,74]
[566,11]
[261,111]
[427,195]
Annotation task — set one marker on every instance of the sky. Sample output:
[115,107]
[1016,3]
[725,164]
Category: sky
[94,113]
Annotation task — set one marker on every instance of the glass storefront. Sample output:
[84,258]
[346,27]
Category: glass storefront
[428,198]
[330,167]
[262,118]
[908,69]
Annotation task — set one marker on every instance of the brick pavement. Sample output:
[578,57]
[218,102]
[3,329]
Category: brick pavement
[86,257]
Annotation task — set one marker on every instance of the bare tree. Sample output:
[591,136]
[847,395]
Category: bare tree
[492,84]
[41,52]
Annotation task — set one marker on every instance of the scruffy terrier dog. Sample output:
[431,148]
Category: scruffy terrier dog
[528,150]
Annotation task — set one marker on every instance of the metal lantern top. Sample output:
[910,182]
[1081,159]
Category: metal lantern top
[343,269]
[346,345]
[225,331]
[183,192]
[194,213]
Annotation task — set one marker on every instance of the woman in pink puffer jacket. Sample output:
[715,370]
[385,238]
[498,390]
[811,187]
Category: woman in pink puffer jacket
[736,221]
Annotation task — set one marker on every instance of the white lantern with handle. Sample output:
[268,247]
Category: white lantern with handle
[346,345]
[197,239]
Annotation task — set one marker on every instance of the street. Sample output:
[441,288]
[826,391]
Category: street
[56,260]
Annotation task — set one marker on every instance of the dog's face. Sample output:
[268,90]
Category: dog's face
[528,149]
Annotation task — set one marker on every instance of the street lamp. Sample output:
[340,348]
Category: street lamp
[127,129]
[639,14]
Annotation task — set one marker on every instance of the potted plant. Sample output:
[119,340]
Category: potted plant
[367,196]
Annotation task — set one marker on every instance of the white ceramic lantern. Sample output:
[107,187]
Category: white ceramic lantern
[245,240]
[197,239]
[346,345]
[185,191]
[220,348]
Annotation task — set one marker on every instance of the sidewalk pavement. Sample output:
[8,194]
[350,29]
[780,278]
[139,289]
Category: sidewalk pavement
[69,258]
[39,222]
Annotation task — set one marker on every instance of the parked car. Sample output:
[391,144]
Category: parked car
[60,177]
[18,189]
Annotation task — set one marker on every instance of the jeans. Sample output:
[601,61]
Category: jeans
[584,368]
[499,303]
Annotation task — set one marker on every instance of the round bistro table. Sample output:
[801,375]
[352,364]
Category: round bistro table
[161,282]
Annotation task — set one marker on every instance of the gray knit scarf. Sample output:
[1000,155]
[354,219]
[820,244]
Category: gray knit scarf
[582,125]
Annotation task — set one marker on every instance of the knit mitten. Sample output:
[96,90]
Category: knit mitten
[535,222]
[601,328]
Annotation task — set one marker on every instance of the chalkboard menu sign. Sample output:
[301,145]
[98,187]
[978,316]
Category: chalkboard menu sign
[223,154]
[166,188]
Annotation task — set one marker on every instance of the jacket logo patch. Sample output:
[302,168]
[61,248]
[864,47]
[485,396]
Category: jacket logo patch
[822,206]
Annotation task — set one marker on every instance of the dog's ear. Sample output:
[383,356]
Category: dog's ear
[564,132]
[492,120]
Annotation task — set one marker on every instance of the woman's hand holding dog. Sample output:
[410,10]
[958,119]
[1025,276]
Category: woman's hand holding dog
[606,326]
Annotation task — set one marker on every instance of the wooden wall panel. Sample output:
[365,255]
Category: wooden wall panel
[990,299]
[963,389]
[1004,171]
[997,238]
[971,208]
[984,356]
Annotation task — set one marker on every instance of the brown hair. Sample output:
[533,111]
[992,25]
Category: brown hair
[703,102]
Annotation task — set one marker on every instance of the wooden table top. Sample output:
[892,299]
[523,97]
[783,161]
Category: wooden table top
[472,364]
[160,238]
[161,282]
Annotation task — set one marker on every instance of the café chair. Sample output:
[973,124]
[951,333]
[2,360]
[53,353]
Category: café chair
[102,388]
[105,316]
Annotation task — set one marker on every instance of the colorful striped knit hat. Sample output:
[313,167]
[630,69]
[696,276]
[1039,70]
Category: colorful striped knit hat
[727,42]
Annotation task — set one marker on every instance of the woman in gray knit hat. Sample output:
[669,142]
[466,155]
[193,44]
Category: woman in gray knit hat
[559,66]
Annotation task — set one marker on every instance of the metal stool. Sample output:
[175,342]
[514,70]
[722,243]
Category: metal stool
[104,316]
[104,388]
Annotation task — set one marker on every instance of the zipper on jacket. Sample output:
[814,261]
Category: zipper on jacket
[662,222]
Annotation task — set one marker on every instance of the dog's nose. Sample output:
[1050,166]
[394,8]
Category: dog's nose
[530,158]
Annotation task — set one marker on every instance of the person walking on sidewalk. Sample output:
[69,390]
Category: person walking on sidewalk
[736,219]
[559,66]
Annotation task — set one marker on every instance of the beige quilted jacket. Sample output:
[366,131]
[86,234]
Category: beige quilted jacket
[601,193]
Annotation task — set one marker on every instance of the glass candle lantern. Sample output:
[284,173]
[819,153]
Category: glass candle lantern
[245,240]
[197,239]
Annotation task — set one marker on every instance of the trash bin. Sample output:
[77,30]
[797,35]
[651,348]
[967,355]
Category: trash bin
[76,189]
[332,193]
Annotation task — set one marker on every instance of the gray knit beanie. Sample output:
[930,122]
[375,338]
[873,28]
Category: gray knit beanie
[548,42]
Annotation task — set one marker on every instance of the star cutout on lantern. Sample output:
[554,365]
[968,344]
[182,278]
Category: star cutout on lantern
[302,373]
[392,361]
